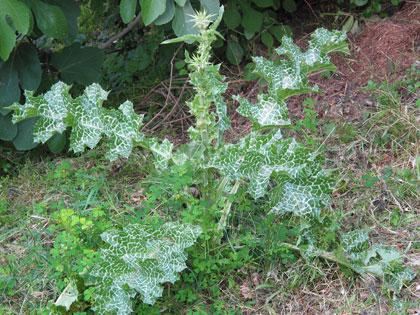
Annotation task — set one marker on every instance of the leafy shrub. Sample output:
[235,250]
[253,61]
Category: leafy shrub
[46,48]
[263,168]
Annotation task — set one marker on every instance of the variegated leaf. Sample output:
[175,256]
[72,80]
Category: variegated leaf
[302,186]
[306,194]
[88,120]
[381,261]
[122,130]
[139,259]
[88,125]
[266,112]
[52,109]
[289,76]
[162,152]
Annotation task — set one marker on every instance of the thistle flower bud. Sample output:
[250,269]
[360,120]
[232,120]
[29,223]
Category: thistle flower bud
[202,20]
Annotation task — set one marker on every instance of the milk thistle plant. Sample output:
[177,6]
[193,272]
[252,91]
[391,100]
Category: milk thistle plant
[274,169]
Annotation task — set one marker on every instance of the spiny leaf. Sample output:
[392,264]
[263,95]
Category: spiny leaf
[162,152]
[52,108]
[89,121]
[139,259]
[301,185]
[122,128]
[266,112]
[381,261]
[305,194]
[289,76]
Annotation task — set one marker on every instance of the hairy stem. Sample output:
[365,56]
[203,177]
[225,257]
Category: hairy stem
[325,255]
[226,209]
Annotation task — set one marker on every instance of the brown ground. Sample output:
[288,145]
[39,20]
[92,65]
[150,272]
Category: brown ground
[383,50]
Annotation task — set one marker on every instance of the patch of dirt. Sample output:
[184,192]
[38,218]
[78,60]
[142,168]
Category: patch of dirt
[383,50]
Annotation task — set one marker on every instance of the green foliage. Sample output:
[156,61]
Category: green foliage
[32,39]
[252,19]
[89,122]
[19,15]
[78,64]
[141,258]
[144,65]
[381,261]
[178,12]
[372,7]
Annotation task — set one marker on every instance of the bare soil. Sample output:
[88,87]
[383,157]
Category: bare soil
[383,50]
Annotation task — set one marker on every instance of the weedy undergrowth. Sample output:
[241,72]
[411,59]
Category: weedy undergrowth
[265,168]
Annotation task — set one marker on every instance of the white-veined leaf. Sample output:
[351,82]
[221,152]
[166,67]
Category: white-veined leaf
[89,122]
[266,112]
[139,259]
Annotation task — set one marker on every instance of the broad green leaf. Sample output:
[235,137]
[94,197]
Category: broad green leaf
[79,64]
[263,3]
[8,130]
[50,19]
[68,296]
[28,66]
[22,68]
[234,52]
[24,139]
[278,31]
[138,260]
[57,142]
[360,3]
[267,40]
[181,3]
[232,17]
[139,59]
[168,15]
[128,10]
[18,14]
[289,5]
[151,10]
[252,19]
[183,24]
[9,87]
[71,10]
[211,7]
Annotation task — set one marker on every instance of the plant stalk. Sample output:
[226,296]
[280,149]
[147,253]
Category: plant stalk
[327,256]
[226,209]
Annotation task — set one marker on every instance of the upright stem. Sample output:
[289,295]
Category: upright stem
[226,209]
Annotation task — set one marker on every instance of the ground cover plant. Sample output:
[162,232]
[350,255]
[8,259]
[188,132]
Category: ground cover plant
[193,196]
